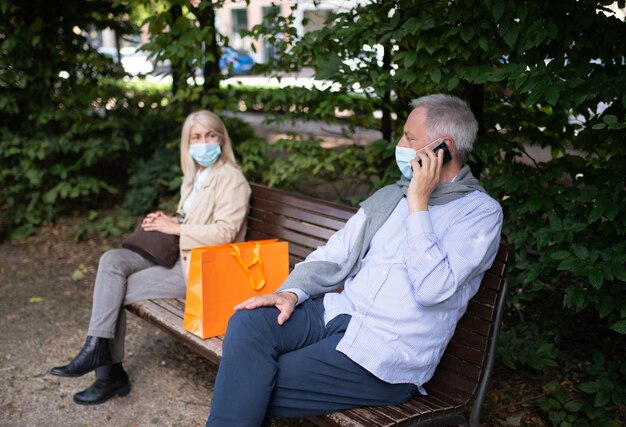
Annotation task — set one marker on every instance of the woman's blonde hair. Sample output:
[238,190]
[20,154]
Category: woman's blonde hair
[210,121]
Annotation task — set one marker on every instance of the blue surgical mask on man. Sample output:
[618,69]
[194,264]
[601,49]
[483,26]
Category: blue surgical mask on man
[205,154]
[404,155]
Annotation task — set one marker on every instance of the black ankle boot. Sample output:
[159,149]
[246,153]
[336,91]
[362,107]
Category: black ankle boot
[110,380]
[94,353]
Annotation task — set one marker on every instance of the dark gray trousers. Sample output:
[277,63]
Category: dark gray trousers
[123,278]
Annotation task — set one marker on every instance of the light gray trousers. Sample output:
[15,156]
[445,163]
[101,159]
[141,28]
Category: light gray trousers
[123,278]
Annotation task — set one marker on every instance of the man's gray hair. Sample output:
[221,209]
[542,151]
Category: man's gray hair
[447,115]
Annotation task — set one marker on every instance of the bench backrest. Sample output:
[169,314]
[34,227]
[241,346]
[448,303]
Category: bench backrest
[468,361]
[464,370]
[304,222]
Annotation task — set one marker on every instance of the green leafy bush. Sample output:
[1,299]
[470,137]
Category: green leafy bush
[153,180]
[346,174]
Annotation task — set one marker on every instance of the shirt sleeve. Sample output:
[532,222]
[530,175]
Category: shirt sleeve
[302,296]
[438,265]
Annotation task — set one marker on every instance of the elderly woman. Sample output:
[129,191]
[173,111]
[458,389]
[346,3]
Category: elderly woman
[212,210]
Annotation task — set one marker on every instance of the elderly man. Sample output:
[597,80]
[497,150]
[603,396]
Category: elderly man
[408,261]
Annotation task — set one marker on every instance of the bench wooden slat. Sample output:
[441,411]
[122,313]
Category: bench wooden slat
[461,386]
[492,281]
[154,312]
[297,225]
[461,377]
[469,354]
[476,325]
[469,339]
[359,417]
[460,366]
[285,198]
[288,235]
[486,296]
[263,208]
[431,403]
[480,311]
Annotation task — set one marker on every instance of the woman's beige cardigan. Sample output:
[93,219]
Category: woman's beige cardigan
[217,214]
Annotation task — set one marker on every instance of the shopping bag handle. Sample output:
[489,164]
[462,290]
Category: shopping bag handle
[236,253]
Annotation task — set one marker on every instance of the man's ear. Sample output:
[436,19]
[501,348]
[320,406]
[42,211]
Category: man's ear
[453,151]
[451,146]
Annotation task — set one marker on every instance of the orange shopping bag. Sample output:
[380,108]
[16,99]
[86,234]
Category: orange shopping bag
[222,276]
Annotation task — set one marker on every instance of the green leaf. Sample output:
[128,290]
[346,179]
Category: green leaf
[453,82]
[589,387]
[540,36]
[619,327]
[427,24]
[568,264]
[598,358]
[78,275]
[605,307]
[467,33]
[483,43]
[410,59]
[551,95]
[578,300]
[435,75]
[498,10]
[560,255]
[595,213]
[602,398]
[573,406]
[596,278]
[522,12]
[580,251]
[511,36]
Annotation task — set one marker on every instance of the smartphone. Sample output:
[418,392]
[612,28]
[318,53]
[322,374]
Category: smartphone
[446,153]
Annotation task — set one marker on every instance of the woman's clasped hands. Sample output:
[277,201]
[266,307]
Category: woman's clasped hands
[159,221]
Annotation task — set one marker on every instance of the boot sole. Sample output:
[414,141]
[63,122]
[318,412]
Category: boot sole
[120,391]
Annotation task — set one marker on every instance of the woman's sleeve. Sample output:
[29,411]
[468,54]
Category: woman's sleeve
[229,215]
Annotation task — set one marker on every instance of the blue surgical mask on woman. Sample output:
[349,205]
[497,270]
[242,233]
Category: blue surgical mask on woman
[205,154]
[404,156]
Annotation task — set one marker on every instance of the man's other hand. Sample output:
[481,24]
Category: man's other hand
[285,302]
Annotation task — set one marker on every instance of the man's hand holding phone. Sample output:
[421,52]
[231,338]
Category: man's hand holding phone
[426,175]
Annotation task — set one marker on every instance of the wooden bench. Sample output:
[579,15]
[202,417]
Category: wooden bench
[460,383]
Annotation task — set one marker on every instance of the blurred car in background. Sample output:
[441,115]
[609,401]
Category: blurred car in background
[110,52]
[135,61]
[240,61]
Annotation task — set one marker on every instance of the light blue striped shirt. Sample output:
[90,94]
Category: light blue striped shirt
[414,284]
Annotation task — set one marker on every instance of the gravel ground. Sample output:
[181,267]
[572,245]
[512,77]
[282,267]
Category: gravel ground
[44,312]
